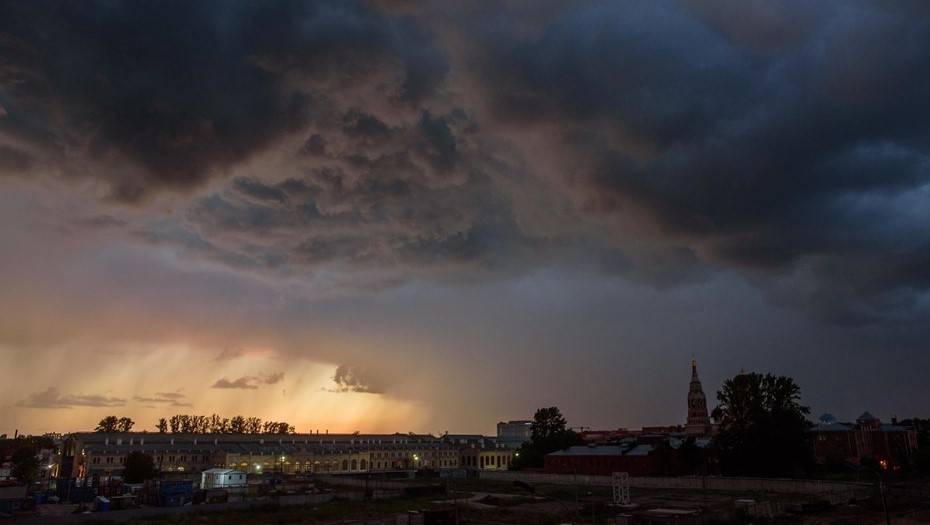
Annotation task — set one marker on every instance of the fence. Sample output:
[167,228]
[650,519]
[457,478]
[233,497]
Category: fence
[347,481]
[774,485]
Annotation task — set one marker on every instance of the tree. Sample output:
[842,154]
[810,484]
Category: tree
[139,467]
[763,427]
[216,424]
[23,453]
[550,433]
[162,425]
[547,422]
[175,423]
[253,425]
[125,424]
[25,464]
[237,425]
[108,424]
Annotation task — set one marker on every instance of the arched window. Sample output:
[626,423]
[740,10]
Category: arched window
[354,464]
[364,465]
[345,464]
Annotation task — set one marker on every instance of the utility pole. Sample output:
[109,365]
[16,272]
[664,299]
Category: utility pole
[881,489]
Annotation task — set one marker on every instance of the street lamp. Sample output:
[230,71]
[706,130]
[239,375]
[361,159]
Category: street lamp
[880,474]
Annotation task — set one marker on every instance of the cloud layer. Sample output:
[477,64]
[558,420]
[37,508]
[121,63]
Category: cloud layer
[249,382]
[51,397]
[290,169]
[428,139]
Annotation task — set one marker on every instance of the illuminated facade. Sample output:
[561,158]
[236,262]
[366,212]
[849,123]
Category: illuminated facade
[105,454]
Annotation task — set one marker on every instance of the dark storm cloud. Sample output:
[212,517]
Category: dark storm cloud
[410,194]
[723,140]
[751,143]
[658,140]
[166,94]
[355,379]
[51,397]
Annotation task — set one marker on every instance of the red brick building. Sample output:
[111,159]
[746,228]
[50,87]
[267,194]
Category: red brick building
[868,437]
[604,460]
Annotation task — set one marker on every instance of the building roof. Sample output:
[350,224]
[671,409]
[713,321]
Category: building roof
[640,450]
[222,471]
[267,438]
[259,444]
[832,427]
[600,450]
[605,450]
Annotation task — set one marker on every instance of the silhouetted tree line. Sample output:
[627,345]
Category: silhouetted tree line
[214,424]
[115,424]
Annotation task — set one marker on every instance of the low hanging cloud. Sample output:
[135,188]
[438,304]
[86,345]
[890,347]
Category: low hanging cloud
[249,382]
[54,398]
[174,399]
[357,379]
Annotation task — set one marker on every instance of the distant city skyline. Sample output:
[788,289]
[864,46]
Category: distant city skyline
[178,400]
[383,216]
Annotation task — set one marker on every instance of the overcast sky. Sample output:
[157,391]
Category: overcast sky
[427,216]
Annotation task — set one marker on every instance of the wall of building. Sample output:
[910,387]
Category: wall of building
[487,459]
[105,455]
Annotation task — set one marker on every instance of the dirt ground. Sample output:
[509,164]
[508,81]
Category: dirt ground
[505,503]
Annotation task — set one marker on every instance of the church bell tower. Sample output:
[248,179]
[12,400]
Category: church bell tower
[698,421]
